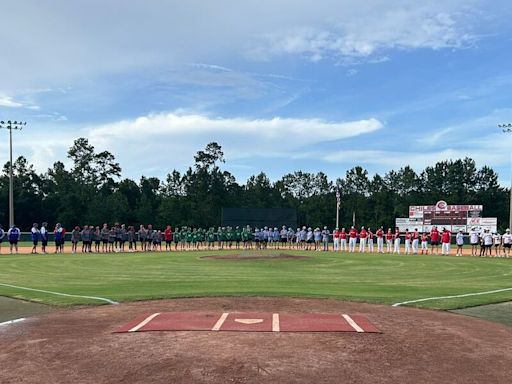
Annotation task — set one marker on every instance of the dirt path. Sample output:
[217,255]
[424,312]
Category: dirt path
[67,249]
[11,309]
[499,313]
[420,346]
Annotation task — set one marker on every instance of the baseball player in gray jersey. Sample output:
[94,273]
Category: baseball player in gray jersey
[142,237]
[122,237]
[104,237]
[149,237]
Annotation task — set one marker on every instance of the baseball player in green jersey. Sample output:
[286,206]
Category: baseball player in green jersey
[220,236]
[210,237]
[184,234]
[238,237]
[176,238]
[194,239]
[190,237]
[229,237]
[245,237]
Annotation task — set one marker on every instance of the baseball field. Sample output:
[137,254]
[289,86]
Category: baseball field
[76,340]
[370,278]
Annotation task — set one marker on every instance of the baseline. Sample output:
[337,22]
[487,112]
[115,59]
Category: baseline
[61,294]
[13,321]
[451,297]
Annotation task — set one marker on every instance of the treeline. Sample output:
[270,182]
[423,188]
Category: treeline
[92,192]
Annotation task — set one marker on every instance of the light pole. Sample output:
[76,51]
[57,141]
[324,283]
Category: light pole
[507,128]
[10,125]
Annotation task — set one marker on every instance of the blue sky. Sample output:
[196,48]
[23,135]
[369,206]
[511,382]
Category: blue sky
[281,85]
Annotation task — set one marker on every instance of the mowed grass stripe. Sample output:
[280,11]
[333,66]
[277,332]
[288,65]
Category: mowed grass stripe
[373,278]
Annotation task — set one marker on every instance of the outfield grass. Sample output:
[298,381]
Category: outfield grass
[373,278]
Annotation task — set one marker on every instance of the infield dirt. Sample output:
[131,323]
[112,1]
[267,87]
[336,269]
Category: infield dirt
[416,346]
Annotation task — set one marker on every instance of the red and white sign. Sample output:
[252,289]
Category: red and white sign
[442,206]
[416,212]
[489,221]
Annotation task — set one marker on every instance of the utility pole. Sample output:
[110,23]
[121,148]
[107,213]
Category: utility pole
[507,128]
[10,125]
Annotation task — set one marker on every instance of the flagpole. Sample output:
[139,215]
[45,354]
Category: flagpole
[338,202]
[354,218]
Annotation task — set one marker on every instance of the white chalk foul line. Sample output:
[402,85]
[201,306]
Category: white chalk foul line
[452,297]
[352,323]
[143,322]
[61,294]
[275,323]
[12,321]
[221,321]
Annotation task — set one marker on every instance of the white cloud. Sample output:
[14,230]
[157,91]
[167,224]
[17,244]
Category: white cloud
[296,132]
[7,101]
[212,67]
[156,144]
[434,136]
[174,32]
[155,138]
[363,31]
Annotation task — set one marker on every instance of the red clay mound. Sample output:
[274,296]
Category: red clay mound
[416,346]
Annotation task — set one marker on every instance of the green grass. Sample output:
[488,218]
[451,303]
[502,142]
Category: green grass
[372,278]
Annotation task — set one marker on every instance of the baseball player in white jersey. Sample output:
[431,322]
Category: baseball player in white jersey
[370,240]
[415,241]
[474,240]
[507,242]
[496,239]
[396,248]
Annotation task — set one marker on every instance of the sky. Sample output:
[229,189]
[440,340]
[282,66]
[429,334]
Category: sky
[281,85]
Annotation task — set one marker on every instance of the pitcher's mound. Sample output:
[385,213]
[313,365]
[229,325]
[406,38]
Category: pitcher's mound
[256,256]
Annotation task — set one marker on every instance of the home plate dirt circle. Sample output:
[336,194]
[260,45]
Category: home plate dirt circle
[415,346]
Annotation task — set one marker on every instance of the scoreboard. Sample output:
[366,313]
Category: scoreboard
[443,214]
[454,217]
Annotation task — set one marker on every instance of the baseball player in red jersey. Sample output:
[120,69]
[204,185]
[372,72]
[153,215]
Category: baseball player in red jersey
[396,249]
[362,239]
[168,238]
[415,240]
[343,240]
[434,240]
[352,239]
[424,243]
[407,238]
[446,240]
[370,240]
[380,240]
[336,239]
[389,240]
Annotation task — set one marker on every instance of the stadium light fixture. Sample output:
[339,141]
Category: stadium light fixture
[507,128]
[10,125]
